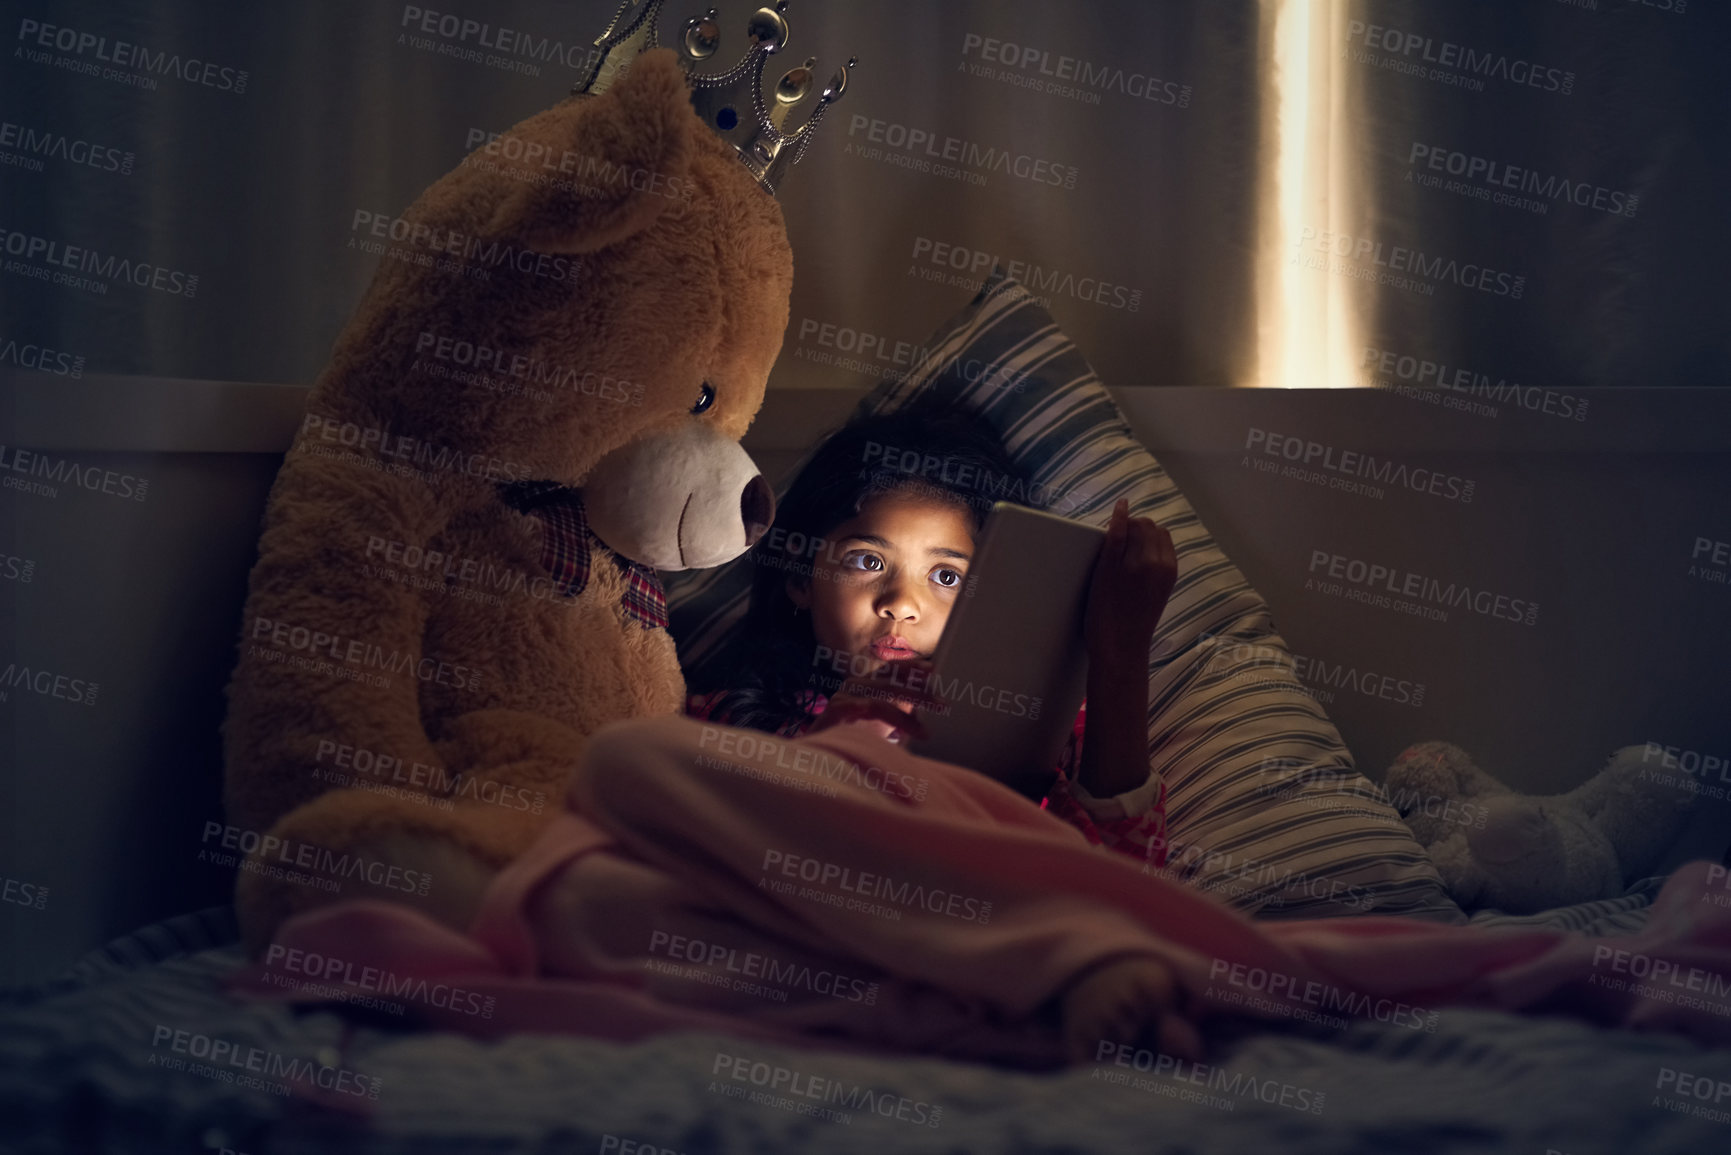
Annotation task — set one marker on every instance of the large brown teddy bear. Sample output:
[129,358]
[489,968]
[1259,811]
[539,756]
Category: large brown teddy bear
[537,403]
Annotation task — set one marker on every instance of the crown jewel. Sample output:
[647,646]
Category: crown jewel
[732,103]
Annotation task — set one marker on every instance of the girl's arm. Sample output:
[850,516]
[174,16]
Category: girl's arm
[1133,824]
[1115,744]
[1132,581]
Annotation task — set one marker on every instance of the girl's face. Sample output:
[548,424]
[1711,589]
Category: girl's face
[885,581]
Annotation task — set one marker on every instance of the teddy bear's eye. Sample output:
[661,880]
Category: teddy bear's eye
[706,400]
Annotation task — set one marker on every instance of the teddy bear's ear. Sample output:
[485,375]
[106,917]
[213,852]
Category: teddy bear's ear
[613,163]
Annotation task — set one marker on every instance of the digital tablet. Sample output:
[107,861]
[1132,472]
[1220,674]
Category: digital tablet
[1012,663]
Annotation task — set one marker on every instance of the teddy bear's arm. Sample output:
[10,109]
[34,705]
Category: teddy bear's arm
[328,650]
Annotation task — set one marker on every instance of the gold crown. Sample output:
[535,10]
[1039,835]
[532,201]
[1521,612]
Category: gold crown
[732,102]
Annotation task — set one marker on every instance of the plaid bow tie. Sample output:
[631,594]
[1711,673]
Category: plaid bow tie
[566,544]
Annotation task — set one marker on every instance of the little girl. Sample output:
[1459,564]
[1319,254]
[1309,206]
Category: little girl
[687,881]
[860,572]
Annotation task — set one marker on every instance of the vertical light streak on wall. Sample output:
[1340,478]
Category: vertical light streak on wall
[1343,197]
[1306,325]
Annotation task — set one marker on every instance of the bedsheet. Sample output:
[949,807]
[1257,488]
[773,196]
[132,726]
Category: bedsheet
[76,1073]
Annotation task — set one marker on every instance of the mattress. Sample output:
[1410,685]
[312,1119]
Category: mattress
[81,1069]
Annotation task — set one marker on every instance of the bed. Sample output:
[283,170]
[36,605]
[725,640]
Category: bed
[122,1052]
[76,1075]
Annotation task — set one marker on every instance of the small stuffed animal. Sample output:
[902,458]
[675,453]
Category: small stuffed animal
[1520,853]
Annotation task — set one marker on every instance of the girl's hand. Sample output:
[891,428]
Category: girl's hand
[887,695]
[1133,578]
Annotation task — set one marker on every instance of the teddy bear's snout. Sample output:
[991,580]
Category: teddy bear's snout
[756,509]
[687,498]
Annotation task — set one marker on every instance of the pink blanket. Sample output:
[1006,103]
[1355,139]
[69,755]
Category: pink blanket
[836,890]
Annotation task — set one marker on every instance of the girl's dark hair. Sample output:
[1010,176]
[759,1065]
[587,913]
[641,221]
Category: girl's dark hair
[930,449]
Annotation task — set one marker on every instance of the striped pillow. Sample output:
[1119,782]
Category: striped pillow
[1265,807]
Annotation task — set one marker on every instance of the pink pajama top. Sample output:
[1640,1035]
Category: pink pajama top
[1133,823]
